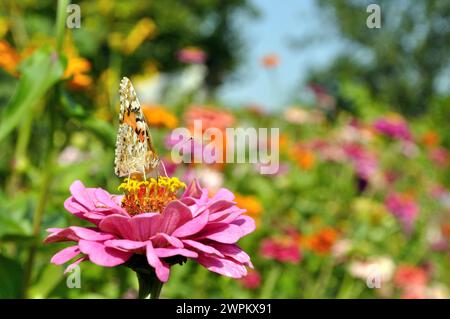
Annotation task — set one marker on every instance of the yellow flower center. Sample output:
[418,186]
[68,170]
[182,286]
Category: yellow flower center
[151,195]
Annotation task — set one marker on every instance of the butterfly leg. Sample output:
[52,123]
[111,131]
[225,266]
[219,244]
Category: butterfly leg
[143,169]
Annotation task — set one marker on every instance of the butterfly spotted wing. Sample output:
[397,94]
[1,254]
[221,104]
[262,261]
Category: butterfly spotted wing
[135,153]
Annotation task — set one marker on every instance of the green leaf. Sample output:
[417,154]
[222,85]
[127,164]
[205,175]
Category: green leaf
[48,280]
[104,130]
[72,108]
[39,73]
[10,278]
[13,220]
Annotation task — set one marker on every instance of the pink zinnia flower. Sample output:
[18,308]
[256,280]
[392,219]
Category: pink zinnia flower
[284,249]
[364,162]
[440,156]
[151,223]
[393,126]
[252,280]
[404,208]
[328,151]
[192,55]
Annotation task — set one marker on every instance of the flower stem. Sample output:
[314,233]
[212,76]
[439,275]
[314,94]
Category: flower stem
[148,285]
[156,289]
[60,23]
[37,219]
[270,283]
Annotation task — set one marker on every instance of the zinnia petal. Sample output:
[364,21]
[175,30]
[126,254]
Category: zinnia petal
[193,226]
[246,223]
[169,252]
[145,225]
[79,192]
[174,214]
[222,232]
[101,255]
[125,244]
[161,268]
[202,247]
[74,264]
[65,255]
[222,266]
[161,238]
[118,225]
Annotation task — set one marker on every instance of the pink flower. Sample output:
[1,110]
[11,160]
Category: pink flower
[364,162]
[393,126]
[252,280]
[404,208]
[192,55]
[328,151]
[440,156]
[151,222]
[284,249]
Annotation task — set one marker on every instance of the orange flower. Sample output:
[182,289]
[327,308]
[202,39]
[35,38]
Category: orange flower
[76,70]
[157,115]
[251,204]
[408,275]
[430,139]
[270,60]
[446,229]
[210,117]
[9,58]
[303,157]
[284,142]
[323,241]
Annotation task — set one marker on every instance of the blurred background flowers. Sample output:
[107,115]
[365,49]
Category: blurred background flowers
[363,189]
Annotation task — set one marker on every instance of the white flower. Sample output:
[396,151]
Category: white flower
[382,267]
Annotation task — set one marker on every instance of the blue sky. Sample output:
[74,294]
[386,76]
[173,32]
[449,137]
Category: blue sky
[280,22]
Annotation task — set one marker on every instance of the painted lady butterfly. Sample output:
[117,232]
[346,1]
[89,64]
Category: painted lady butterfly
[135,153]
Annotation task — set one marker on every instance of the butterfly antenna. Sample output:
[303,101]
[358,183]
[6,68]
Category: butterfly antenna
[161,164]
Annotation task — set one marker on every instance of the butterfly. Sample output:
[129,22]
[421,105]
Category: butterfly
[135,153]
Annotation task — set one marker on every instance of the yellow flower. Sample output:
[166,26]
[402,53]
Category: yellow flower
[157,115]
[4,26]
[144,29]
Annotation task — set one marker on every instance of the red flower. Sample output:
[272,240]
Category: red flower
[410,276]
[252,280]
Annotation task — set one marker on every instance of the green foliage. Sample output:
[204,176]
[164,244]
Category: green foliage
[39,73]
[404,63]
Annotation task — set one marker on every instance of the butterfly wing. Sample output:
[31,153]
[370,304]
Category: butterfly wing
[135,153]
